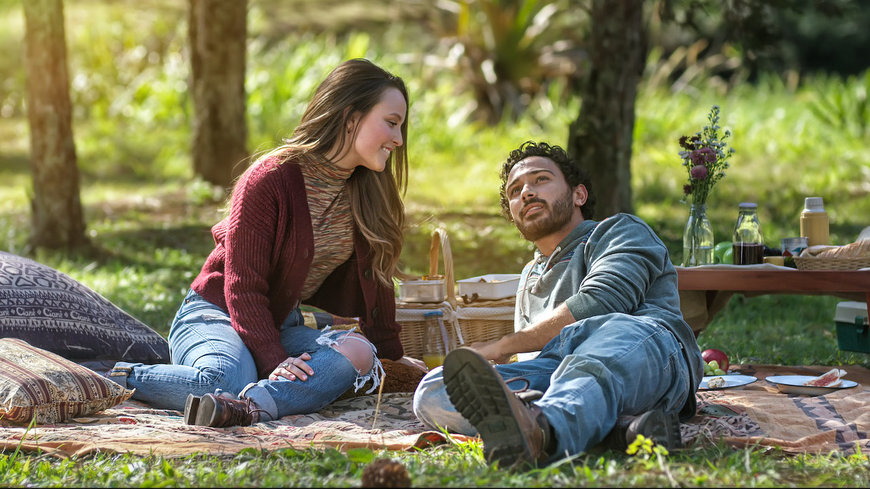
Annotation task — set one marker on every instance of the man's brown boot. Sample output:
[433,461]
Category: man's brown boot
[657,425]
[513,432]
[220,412]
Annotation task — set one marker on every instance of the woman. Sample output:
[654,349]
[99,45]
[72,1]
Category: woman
[317,220]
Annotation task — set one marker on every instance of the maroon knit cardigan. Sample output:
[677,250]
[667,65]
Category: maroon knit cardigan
[263,252]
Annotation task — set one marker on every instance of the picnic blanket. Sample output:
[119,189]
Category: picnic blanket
[759,415]
[136,428]
[752,415]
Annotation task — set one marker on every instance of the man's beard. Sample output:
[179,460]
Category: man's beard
[560,214]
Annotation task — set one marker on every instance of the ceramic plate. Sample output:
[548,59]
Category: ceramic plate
[731,381]
[794,384]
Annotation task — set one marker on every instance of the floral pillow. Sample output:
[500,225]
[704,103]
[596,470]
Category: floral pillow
[52,311]
[35,383]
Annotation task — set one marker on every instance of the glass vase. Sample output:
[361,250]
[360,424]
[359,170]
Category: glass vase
[698,238]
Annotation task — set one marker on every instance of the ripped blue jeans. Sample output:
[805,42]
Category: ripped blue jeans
[208,356]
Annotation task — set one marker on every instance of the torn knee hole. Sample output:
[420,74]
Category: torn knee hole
[358,350]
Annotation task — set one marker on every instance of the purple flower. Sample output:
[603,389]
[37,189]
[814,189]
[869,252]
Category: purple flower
[684,142]
[687,189]
[703,156]
[699,172]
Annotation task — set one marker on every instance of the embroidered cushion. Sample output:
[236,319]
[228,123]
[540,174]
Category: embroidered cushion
[35,383]
[52,311]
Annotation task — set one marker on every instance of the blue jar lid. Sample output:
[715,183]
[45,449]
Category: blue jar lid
[430,314]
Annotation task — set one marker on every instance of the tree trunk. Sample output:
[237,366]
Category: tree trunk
[218,35]
[56,209]
[600,138]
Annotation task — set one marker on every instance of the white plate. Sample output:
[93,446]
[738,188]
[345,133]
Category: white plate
[731,381]
[794,384]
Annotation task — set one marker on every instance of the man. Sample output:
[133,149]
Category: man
[600,301]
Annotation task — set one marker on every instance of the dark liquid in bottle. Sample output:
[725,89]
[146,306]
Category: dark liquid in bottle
[748,253]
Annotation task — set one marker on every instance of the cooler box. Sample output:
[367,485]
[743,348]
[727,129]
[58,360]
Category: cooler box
[852,326]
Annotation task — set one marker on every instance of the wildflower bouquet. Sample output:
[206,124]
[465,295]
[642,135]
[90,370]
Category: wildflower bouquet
[705,156]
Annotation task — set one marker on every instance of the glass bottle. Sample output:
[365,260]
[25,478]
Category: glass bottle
[748,244]
[436,341]
[698,238]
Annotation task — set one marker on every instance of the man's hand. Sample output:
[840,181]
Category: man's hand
[491,350]
[413,362]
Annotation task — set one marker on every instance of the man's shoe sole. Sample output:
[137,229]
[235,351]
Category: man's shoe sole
[479,393]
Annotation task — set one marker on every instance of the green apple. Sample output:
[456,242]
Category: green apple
[721,248]
[728,256]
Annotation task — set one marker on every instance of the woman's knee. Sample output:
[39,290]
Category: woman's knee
[358,350]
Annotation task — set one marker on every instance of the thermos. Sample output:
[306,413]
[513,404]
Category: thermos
[814,222]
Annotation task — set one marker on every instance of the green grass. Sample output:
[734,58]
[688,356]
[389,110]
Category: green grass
[445,466]
[151,221]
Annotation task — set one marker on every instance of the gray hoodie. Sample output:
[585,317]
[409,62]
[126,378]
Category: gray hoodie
[616,265]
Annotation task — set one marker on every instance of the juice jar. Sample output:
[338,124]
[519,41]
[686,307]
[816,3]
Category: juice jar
[436,341]
[748,244]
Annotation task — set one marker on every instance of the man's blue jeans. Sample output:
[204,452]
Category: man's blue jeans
[208,356]
[595,370]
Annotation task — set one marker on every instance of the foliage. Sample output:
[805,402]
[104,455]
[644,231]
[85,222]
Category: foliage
[844,105]
[508,50]
[705,157]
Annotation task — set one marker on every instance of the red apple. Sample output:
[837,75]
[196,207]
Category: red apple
[718,355]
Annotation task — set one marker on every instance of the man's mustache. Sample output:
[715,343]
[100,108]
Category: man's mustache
[534,200]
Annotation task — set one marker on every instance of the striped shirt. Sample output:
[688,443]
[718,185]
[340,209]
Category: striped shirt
[331,220]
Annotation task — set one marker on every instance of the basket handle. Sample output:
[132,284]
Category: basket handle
[440,240]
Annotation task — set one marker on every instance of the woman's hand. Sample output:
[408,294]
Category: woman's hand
[293,368]
[413,362]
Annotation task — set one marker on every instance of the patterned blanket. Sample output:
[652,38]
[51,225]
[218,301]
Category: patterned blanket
[759,415]
[752,415]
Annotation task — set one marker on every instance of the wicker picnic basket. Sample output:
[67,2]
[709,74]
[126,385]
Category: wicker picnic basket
[466,323]
[831,263]
[486,320]
[410,314]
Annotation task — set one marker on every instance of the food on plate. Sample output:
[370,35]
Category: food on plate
[828,379]
[718,356]
[858,249]
[712,368]
[715,383]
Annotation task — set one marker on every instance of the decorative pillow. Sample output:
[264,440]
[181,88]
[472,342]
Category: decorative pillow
[37,383]
[52,311]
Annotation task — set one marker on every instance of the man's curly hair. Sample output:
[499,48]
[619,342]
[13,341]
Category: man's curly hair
[574,175]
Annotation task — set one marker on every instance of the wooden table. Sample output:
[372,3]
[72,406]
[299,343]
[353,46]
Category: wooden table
[704,291]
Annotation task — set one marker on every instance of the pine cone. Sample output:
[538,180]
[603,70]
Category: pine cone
[385,472]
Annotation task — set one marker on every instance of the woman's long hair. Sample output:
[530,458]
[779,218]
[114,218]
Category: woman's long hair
[356,86]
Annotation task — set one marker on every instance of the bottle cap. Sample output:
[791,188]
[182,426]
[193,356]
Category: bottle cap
[748,205]
[430,314]
[814,204]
